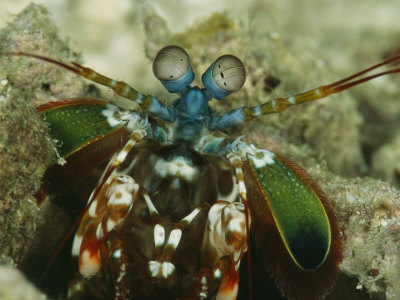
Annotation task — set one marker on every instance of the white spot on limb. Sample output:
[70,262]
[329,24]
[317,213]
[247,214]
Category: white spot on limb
[89,263]
[292,100]
[236,257]
[159,235]
[117,254]
[178,167]
[121,191]
[167,269]
[175,237]
[137,134]
[204,288]
[217,273]
[262,158]
[99,231]
[124,199]
[203,294]
[158,269]
[122,273]
[92,209]
[112,114]
[124,152]
[76,245]
[257,111]
[150,205]
[235,225]
[120,195]
[110,224]
[154,268]
[226,224]
[242,188]
[189,218]
[214,216]
[118,288]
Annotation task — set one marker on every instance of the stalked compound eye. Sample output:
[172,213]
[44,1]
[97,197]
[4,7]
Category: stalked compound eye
[224,76]
[172,67]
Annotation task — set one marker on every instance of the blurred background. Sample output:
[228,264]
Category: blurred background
[288,47]
[110,33]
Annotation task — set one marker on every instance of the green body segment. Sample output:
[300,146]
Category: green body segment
[77,125]
[297,211]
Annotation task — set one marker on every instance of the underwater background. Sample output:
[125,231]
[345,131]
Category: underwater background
[349,143]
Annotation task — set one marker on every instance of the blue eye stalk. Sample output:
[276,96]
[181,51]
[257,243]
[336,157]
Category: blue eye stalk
[172,67]
[192,111]
[226,75]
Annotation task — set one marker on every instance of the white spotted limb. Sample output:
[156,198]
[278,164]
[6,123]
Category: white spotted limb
[228,227]
[108,205]
[225,236]
[161,266]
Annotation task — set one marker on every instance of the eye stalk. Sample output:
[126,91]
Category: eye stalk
[172,67]
[226,75]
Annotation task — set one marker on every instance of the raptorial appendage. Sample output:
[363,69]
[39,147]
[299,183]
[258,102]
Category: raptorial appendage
[225,236]
[108,205]
[108,210]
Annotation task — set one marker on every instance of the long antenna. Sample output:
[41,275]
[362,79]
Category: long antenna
[281,104]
